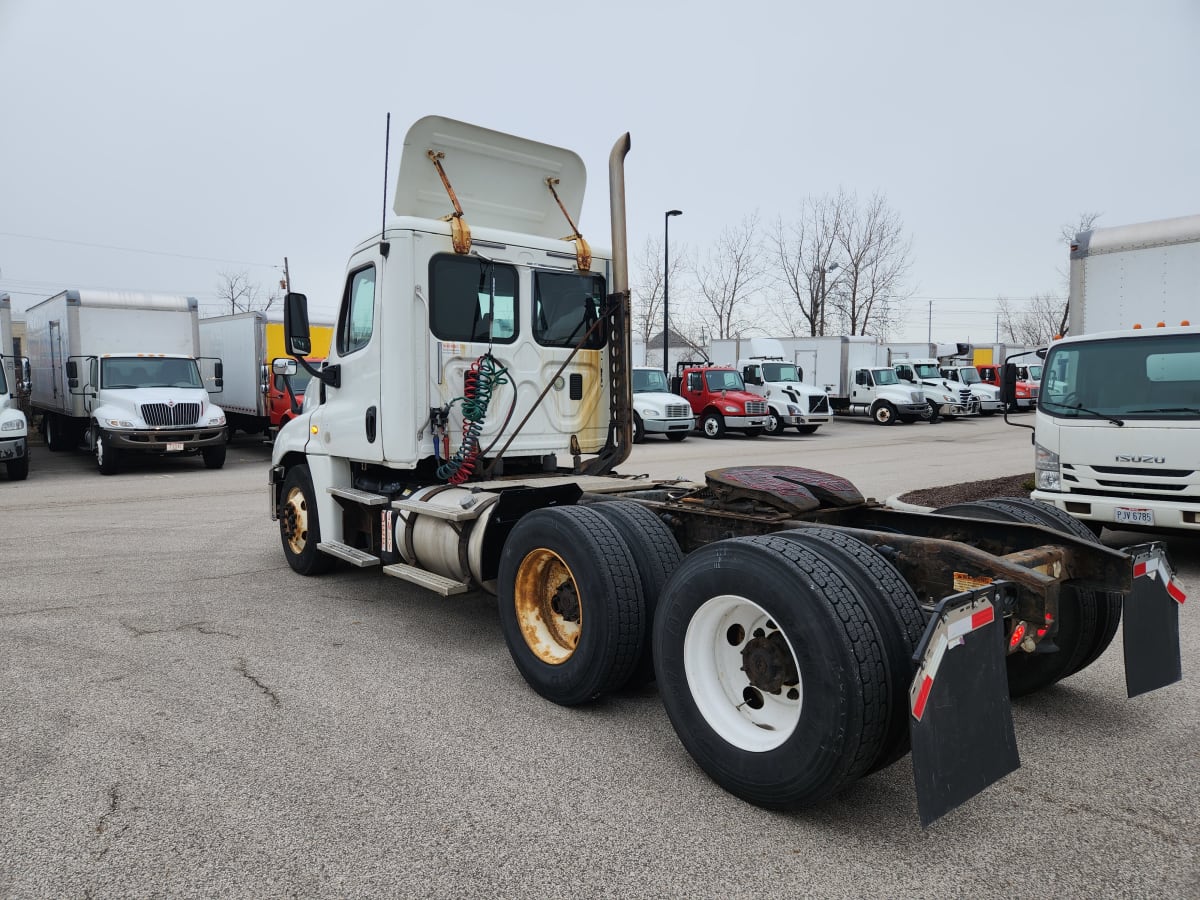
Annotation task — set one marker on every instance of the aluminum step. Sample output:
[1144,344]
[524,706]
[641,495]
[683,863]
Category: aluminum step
[437,583]
[449,513]
[352,555]
[362,498]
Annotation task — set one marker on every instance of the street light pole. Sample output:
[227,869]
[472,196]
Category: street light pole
[666,281]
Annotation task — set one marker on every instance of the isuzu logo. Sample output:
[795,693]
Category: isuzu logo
[1124,457]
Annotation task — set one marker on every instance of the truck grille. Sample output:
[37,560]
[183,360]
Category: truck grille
[818,403]
[158,414]
[1033,392]
[964,396]
[756,408]
[680,411]
[1132,483]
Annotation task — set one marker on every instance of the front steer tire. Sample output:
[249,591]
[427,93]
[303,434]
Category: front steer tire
[883,413]
[781,696]
[571,605]
[214,457]
[712,425]
[108,457]
[18,469]
[300,526]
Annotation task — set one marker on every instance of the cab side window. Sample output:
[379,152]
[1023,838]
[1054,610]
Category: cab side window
[357,321]
[472,299]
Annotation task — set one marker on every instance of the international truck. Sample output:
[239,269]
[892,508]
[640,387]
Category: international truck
[255,398]
[1117,426]
[719,399]
[475,411]
[14,427]
[656,410]
[791,402]
[118,372]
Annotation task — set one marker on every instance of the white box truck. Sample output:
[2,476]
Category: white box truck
[255,398]
[856,374]
[119,371]
[14,427]
[1117,428]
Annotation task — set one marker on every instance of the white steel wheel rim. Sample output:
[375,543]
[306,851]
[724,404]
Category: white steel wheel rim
[713,665]
[710,426]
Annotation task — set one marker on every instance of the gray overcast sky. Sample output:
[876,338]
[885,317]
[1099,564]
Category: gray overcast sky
[224,135]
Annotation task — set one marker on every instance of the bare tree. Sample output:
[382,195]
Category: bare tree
[729,277]
[1035,324]
[243,295]
[873,258]
[804,254]
[648,291]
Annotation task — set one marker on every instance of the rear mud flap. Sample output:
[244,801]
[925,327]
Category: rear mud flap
[1151,613]
[960,718]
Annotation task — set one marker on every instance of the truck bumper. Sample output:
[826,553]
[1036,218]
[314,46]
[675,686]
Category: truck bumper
[1129,514]
[663,426]
[14,448]
[174,440]
[815,419]
[913,409]
[993,406]
[745,421]
[959,409]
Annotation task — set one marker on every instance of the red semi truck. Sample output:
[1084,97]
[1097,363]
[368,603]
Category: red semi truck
[719,398]
[1028,380]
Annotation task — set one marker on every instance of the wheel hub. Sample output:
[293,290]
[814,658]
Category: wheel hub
[768,663]
[565,602]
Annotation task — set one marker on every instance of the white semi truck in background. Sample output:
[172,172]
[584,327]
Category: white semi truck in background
[792,402]
[14,427]
[119,372]
[1117,428]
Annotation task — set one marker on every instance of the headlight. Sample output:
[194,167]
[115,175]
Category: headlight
[217,420]
[793,410]
[1046,467]
[119,423]
[732,409]
[13,425]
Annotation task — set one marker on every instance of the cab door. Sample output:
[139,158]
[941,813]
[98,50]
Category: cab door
[347,422]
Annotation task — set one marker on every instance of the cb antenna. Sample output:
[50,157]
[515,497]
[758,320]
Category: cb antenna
[387,141]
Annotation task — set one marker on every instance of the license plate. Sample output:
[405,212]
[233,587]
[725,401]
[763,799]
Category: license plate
[174,446]
[1130,516]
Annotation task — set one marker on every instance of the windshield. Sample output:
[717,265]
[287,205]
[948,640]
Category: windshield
[299,381]
[724,380]
[969,376]
[650,380]
[149,372]
[1035,373]
[773,371]
[926,370]
[885,376]
[1155,377]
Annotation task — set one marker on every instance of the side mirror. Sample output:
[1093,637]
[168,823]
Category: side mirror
[283,366]
[219,370]
[1008,385]
[72,373]
[295,324]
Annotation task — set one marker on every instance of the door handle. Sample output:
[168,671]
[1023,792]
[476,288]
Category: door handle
[370,424]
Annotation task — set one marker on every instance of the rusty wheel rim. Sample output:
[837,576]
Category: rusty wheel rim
[295,513]
[549,609]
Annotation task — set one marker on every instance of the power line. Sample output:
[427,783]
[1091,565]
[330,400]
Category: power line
[236,262]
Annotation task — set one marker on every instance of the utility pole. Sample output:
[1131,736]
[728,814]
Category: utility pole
[287,281]
[929,335]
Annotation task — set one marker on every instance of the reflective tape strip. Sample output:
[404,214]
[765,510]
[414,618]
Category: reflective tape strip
[951,637]
[1176,592]
[918,709]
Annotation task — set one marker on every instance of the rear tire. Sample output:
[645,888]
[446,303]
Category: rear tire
[779,695]
[55,434]
[897,615]
[571,604]
[300,526]
[656,555]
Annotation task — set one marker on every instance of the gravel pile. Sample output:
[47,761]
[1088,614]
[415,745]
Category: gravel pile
[1010,486]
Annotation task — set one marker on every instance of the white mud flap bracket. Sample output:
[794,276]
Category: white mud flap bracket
[1151,613]
[960,718]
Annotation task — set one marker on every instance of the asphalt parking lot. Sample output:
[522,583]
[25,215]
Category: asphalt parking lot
[184,716]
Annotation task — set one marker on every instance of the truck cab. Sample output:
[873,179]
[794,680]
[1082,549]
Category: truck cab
[945,399]
[1026,389]
[14,428]
[719,398]
[656,410]
[880,391]
[988,395]
[790,402]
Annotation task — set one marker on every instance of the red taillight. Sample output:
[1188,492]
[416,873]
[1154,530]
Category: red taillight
[1017,636]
